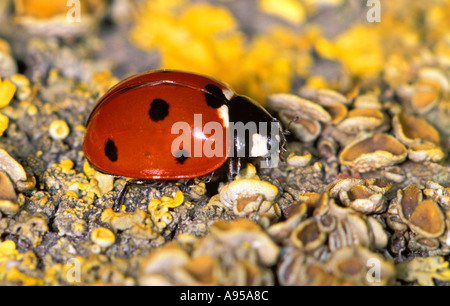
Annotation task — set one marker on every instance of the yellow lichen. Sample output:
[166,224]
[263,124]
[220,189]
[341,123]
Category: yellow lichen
[7,90]
[102,81]
[316,81]
[359,48]
[247,188]
[159,209]
[264,62]
[96,269]
[39,9]
[20,80]
[123,220]
[100,183]
[24,90]
[15,274]
[103,237]
[59,130]
[4,121]
[254,66]
[290,10]
[77,227]
[4,46]
[95,185]
[66,166]
[7,248]
[182,38]
[71,193]
[424,270]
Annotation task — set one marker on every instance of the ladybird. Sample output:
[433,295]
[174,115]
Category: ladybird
[171,125]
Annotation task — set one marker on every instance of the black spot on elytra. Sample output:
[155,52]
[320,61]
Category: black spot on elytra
[181,156]
[111,150]
[214,97]
[159,109]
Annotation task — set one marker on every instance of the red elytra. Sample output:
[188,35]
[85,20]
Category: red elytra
[129,131]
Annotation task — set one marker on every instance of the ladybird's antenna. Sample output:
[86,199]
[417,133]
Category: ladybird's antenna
[289,124]
[119,201]
[283,137]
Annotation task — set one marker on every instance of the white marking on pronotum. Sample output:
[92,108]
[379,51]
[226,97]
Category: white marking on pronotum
[259,147]
[223,114]
[275,146]
[228,93]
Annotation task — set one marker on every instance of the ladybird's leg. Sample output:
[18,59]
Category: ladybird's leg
[148,183]
[130,183]
[268,161]
[122,194]
[284,141]
[234,166]
[184,185]
[206,179]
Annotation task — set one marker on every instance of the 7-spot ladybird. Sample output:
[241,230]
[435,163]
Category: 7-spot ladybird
[134,130]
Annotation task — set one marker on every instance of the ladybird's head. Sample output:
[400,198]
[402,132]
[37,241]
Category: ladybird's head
[255,131]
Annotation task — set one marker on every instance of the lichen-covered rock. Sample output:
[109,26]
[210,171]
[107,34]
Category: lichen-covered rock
[363,184]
